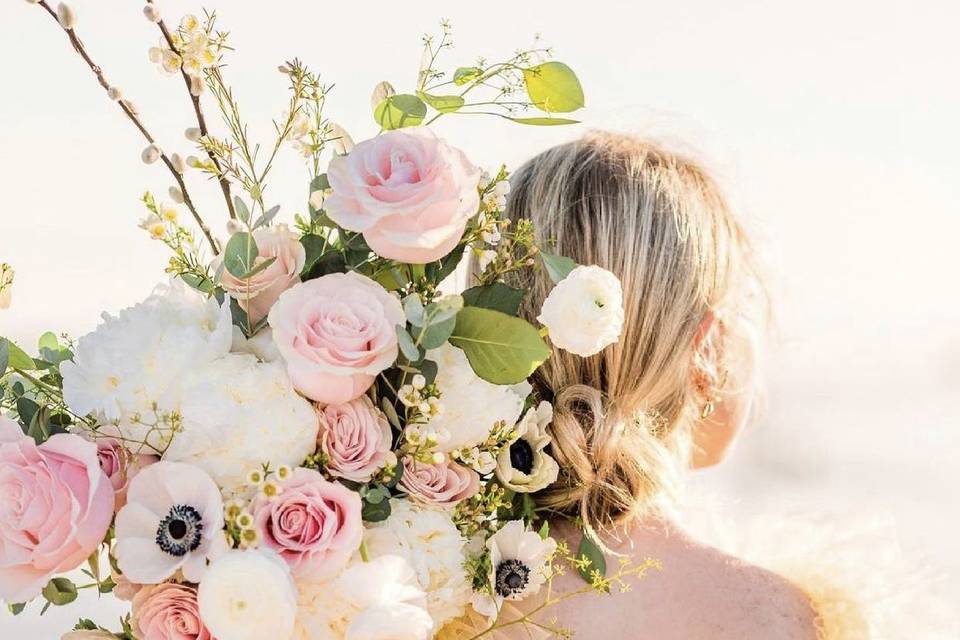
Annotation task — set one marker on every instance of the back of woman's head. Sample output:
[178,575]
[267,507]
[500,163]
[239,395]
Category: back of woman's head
[623,418]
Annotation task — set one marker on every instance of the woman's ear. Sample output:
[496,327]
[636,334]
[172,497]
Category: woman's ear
[706,324]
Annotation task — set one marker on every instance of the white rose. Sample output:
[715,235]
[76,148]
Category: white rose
[584,312]
[248,595]
[238,414]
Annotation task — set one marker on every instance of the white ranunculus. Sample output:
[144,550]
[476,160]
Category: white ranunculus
[430,541]
[524,466]
[471,406]
[584,312]
[238,414]
[260,345]
[248,595]
[374,600]
[134,359]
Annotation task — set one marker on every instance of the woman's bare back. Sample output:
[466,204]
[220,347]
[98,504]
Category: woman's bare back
[699,594]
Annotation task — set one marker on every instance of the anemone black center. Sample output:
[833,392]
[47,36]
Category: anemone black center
[521,456]
[512,577]
[181,531]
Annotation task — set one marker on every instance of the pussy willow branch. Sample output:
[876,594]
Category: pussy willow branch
[132,115]
[201,121]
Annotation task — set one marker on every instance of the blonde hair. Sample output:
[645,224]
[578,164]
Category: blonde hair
[623,418]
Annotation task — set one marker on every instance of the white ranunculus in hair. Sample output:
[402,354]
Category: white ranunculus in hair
[237,414]
[248,595]
[584,312]
[524,466]
[434,547]
[132,362]
[472,407]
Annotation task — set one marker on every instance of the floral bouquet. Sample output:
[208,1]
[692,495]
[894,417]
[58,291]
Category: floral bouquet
[300,435]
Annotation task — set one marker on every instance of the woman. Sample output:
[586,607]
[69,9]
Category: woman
[672,393]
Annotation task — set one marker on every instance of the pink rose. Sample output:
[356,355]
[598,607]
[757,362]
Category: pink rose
[55,507]
[121,466]
[356,438]
[168,611]
[407,191]
[443,484]
[314,525]
[258,293]
[336,333]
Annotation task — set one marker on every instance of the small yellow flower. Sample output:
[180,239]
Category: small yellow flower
[233,510]
[245,520]
[168,212]
[249,537]
[270,489]
[255,477]
[283,472]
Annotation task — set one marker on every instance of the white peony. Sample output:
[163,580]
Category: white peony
[260,345]
[434,547]
[248,595]
[584,312]
[374,600]
[237,414]
[471,406]
[132,361]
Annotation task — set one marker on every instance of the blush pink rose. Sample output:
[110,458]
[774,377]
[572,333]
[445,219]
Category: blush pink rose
[168,611]
[256,294]
[356,438]
[336,333]
[55,507]
[313,524]
[443,484]
[121,466]
[407,191]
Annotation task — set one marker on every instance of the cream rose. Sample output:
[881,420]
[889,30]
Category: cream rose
[584,312]
[407,191]
[257,293]
[444,484]
[336,333]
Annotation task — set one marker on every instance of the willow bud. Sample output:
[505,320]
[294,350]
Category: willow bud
[192,134]
[66,16]
[114,93]
[197,86]
[178,164]
[151,12]
[176,195]
[130,106]
[151,154]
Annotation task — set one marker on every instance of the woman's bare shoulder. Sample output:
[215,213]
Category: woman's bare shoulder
[699,594]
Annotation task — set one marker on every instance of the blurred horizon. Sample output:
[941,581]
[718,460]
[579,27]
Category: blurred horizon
[831,125]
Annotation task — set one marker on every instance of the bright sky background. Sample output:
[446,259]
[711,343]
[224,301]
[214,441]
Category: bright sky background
[832,124]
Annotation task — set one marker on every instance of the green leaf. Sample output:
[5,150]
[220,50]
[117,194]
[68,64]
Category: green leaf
[4,356]
[413,309]
[267,217]
[558,267]
[375,512]
[407,345]
[438,271]
[241,208]
[435,334]
[401,110]
[240,254]
[463,75]
[60,591]
[443,309]
[390,412]
[17,358]
[27,409]
[260,267]
[203,285]
[497,296]
[553,87]
[443,104]
[588,549]
[501,349]
[49,341]
[16,608]
[544,122]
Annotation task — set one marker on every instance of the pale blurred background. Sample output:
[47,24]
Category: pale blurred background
[833,125]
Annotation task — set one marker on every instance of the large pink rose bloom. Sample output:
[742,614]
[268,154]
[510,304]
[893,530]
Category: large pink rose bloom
[256,294]
[407,191]
[314,525]
[356,438]
[443,484]
[168,611]
[55,507]
[336,333]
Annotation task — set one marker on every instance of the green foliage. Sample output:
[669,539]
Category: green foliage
[554,87]
[466,75]
[544,122]
[589,550]
[443,104]
[400,110]
[407,345]
[60,591]
[497,296]
[501,349]
[558,267]
[13,357]
[240,253]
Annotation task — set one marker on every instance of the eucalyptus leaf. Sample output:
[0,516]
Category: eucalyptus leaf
[553,87]
[558,267]
[435,334]
[240,253]
[443,309]
[501,349]
[267,217]
[588,549]
[464,75]
[241,209]
[544,122]
[375,512]
[27,409]
[407,345]
[259,267]
[413,309]
[203,285]
[390,412]
[497,296]
[443,104]
[17,358]
[401,110]
[4,356]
